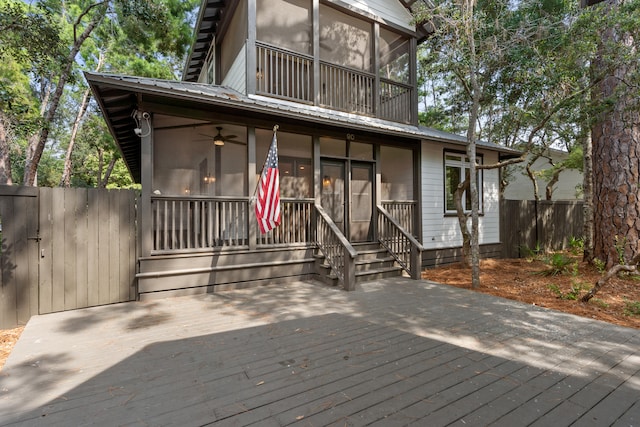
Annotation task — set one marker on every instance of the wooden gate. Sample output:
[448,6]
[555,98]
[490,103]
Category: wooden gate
[18,255]
[65,249]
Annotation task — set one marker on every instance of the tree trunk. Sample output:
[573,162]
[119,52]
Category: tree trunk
[531,174]
[37,142]
[107,173]
[553,181]
[5,152]
[462,222]
[588,200]
[616,151]
[66,173]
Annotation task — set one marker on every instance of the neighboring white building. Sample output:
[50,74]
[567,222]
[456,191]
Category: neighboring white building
[568,187]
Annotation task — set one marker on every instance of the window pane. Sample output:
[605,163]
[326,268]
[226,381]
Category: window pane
[333,147]
[361,151]
[394,56]
[344,40]
[452,180]
[285,23]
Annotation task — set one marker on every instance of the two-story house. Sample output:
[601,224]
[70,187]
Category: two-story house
[365,191]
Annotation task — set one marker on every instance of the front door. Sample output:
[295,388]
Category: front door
[361,202]
[349,202]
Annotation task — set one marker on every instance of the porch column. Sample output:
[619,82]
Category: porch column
[146,165]
[251,47]
[252,182]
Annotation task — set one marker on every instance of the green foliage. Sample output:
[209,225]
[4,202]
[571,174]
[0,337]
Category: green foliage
[572,295]
[619,245]
[631,308]
[139,37]
[531,253]
[559,263]
[576,245]
[599,265]
[600,303]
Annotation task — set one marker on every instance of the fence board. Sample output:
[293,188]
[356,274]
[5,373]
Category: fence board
[18,262]
[104,263]
[82,261]
[71,251]
[58,251]
[93,255]
[545,224]
[8,292]
[45,287]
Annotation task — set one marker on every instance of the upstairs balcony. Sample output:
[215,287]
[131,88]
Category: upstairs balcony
[290,75]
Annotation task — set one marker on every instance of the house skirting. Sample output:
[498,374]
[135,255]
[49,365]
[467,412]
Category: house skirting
[438,257]
[189,274]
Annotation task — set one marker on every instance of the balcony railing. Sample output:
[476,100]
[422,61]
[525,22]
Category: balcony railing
[284,74]
[395,101]
[346,90]
[289,75]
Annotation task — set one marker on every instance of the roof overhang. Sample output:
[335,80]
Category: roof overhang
[120,96]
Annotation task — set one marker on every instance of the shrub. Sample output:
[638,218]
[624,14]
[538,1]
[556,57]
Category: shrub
[572,295]
[576,245]
[559,263]
[631,308]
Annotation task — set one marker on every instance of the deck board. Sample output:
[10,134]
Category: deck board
[393,352]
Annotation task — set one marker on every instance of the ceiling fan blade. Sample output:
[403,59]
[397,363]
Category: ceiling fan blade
[233,141]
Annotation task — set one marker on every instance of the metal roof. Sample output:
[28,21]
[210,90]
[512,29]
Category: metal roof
[118,97]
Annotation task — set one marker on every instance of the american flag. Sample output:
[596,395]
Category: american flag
[268,204]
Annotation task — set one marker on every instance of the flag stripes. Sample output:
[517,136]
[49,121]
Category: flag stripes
[268,202]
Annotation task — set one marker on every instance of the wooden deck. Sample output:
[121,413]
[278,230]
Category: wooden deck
[394,352]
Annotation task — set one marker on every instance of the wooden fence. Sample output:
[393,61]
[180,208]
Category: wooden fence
[549,225]
[64,249]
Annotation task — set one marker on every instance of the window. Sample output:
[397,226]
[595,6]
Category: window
[456,169]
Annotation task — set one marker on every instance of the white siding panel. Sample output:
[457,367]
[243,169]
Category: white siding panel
[236,77]
[440,231]
[388,10]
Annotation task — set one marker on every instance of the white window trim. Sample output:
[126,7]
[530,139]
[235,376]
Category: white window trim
[463,164]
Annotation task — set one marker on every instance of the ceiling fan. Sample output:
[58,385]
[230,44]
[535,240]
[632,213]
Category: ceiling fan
[219,140]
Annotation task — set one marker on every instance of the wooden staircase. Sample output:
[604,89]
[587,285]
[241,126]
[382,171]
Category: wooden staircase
[373,262]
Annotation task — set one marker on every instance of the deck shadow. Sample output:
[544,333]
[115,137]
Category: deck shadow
[321,370]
